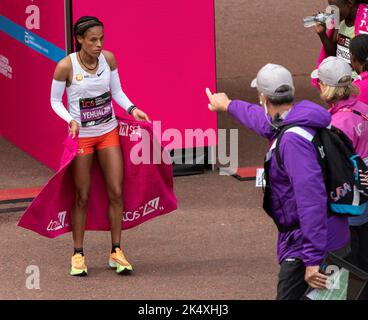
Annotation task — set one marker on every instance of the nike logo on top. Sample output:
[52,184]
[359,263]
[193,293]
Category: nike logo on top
[98,74]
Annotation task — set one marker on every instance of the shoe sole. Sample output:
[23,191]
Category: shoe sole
[78,273]
[119,268]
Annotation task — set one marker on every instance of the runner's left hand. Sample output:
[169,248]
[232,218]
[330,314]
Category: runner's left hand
[140,115]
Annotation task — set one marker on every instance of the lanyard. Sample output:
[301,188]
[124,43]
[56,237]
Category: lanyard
[355,112]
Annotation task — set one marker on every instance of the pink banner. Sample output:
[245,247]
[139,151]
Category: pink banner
[50,212]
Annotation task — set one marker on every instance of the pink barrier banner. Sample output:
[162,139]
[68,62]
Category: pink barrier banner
[148,189]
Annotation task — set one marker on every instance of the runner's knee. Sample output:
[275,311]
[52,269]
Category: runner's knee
[81,199]
[115,195]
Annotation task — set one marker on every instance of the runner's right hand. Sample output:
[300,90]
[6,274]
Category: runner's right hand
[73,128]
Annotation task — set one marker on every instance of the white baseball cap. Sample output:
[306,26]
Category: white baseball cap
[270,78]
[332,70]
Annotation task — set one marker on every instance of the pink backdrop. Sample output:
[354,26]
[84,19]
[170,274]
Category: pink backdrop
[27,119]
[166,57]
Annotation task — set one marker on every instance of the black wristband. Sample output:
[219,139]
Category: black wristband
[130,109]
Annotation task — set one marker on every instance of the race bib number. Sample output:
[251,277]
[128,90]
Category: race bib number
[343,45]
[94,111]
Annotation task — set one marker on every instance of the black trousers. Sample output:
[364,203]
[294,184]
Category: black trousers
[359,247]
[291,284]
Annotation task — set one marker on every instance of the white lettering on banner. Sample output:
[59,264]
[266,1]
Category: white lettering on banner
[26,37]
[131,216]
[126,130]
[33,20]
[29,39]
[364,22]
[135,131]
[5,68]
[151,206]
[57,225]
[123,129]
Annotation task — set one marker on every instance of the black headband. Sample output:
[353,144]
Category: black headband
[82,27]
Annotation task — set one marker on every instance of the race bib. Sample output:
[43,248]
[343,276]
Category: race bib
[343,48]
[94,111]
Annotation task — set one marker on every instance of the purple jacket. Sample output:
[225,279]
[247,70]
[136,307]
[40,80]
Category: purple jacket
[298,190]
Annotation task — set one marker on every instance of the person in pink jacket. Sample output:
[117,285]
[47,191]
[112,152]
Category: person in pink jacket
[350,115]
[359,62]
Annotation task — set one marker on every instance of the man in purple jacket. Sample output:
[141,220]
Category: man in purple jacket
[298,201]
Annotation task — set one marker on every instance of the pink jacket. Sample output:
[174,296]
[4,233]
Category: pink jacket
[354,126]
[147,189]
[362,83]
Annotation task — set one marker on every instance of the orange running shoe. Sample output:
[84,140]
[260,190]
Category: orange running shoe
[78,267]
[117,260]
